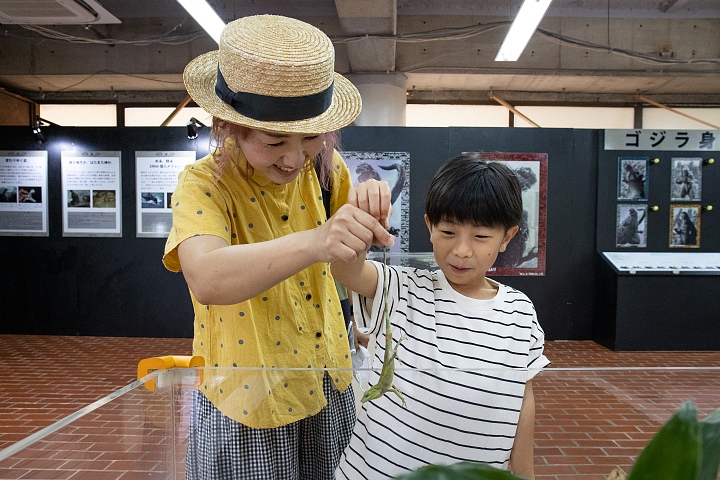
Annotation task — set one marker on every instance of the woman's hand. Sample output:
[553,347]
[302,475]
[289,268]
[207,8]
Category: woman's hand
[373,197]
[348,234]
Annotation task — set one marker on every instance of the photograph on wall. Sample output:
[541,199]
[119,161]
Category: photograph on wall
[91,186]
[525,254]
[686,180]
[393,167]
[23,193]
[631,225]
[156,175]
[685,226]
[632,178]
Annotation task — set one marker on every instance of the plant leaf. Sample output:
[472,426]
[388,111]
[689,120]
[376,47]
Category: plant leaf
[459,471]
[674,452]
[710,430]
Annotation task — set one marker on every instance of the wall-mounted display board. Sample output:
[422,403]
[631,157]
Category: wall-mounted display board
[393,167]
[23,193]
[658,239]
[525,254]
[656,190]
[91,188]
[156,175]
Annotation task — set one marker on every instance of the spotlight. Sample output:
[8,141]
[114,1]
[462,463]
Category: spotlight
[191,125]
[37,131]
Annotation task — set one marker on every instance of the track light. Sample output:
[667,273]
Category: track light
[37,131]
[191,125]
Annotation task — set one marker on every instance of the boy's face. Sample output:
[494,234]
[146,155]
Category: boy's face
[466,252]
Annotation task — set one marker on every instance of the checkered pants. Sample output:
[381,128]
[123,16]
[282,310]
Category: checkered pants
[220,448]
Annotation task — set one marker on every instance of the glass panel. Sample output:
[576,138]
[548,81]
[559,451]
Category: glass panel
[588,421]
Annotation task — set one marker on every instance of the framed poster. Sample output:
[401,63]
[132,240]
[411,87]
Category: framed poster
[393,167]
[156,175]
[91,188]
[631,225]
[686,180]
[632,178]
[23,193]
[525,254]
[685,226]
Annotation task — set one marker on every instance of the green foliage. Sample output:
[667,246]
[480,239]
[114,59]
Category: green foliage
[674,452]
[710,428]
[684,448]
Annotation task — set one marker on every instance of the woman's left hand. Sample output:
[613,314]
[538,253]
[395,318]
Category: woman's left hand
[373,197]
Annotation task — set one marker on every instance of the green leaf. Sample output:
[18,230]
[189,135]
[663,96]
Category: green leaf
[674,452]
[710,429]
[459,471]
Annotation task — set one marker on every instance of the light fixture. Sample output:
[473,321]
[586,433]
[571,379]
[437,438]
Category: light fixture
[191,124]
[522,28]
[203,13]
[37,131]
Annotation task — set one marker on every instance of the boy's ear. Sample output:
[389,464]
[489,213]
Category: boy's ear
[508,236]
[427,222]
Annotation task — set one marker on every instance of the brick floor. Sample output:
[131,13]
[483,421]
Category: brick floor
[596,409]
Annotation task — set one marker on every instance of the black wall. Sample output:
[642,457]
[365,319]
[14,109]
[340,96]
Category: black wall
[119,287]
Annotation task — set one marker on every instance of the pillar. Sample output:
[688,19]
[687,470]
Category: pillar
[384,98]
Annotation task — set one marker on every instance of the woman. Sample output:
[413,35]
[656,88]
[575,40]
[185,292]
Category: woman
[251,237]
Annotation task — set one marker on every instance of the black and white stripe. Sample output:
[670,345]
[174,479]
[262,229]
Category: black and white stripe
[462,370]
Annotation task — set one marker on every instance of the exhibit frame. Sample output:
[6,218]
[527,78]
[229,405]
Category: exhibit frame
[631,225]
[393,167]
[532,171]
[156,175]
[686,179]
[83,174]
[24,193]
[633,178]
[685,231]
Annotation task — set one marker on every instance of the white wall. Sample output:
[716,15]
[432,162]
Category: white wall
[417,115]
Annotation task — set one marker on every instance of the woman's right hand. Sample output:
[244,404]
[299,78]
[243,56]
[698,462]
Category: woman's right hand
[348,235]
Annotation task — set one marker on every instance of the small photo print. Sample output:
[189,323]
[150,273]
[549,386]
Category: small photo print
[632,178]
[686,180]
[78,198]
[8,194]
[685,226]
[631,226]
[152,200]
[29,194]
[104,199]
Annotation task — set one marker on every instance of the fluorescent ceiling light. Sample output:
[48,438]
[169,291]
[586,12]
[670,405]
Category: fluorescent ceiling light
[522,28]
[205,16]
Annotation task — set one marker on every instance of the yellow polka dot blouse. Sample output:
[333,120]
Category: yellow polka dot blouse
[296,324]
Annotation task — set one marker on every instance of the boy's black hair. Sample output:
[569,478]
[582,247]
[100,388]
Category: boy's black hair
[468,190]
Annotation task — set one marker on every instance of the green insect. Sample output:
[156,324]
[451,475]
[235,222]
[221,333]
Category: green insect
[385,383]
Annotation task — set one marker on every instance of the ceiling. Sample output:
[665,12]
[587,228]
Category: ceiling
[604,52]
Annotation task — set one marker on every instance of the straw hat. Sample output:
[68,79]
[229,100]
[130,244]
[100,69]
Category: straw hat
[275,73]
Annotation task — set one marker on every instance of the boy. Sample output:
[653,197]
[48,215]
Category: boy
[471,346]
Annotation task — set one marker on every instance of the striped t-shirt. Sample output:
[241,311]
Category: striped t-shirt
[462,370]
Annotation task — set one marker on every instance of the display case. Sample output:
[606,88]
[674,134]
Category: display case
[658,301]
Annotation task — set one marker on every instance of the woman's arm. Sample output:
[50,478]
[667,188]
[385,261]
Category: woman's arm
[522,458]
[222,274]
